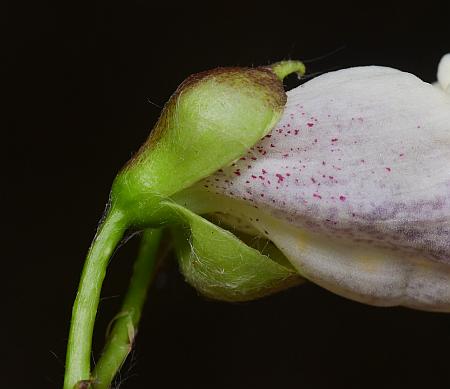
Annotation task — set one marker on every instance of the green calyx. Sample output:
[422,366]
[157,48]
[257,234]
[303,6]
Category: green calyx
[212,119]
[223,267]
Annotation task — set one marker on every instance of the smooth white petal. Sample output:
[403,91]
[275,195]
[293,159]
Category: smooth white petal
[373,276]
[361,157]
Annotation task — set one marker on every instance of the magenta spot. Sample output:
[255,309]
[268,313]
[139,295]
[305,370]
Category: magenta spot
[280,177]
[310,124]
[263,171]
[334,139]
[317,196]
[342,198]
[388,169]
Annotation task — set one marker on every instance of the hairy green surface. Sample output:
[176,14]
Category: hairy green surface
[223,267]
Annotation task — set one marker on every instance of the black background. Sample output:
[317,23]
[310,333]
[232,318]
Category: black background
[86,83]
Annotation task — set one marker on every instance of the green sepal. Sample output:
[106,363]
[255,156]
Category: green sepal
[211,120]
[223,267]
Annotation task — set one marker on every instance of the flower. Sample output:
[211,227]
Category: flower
[352,185]
[349,187]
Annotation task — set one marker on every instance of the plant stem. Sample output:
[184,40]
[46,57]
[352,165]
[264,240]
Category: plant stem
[120,340]
[84,309]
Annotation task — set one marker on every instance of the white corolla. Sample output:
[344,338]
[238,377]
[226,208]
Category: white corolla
[353,186]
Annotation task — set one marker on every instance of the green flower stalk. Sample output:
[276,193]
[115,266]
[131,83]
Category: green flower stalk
[121,337]
[212,119]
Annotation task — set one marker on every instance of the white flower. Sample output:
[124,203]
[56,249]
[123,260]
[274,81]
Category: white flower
[353,186]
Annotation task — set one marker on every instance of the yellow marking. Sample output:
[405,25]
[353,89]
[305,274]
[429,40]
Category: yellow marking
[370,262]
[302,241]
